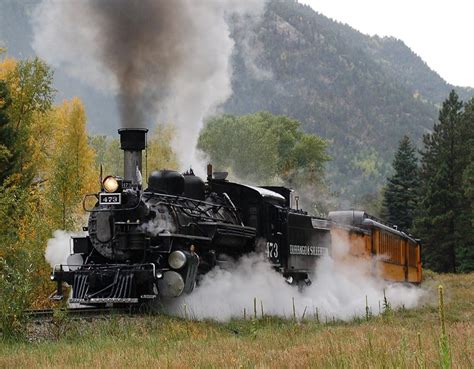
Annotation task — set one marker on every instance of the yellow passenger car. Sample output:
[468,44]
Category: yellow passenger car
[394,255]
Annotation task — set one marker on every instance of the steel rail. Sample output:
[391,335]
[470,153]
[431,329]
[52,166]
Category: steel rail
[39,314]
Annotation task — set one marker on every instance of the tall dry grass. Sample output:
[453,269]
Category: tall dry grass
[401,339]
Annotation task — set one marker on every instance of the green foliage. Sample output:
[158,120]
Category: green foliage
[368,313]
[372,203]
[13,206]
[401,192]
[263,147]
[60,323]
[466,250]
[108,154]
[8,154]
[387,310]
[445,209]
[33,82]
[444,351]
[72,164]
[160,153]
[15,292]
[10,210]
[15,262]
[240,146]
[30,95]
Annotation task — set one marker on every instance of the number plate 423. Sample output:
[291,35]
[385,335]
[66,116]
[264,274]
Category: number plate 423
[110,198]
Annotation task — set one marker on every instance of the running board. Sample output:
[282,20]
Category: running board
[105,300]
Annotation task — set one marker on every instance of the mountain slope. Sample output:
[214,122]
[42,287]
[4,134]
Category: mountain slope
[362,93]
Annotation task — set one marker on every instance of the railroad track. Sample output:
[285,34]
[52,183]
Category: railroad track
[40,314]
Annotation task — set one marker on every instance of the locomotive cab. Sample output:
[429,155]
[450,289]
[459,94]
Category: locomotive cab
[293,241]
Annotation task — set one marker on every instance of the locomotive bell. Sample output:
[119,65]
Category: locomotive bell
[132,142]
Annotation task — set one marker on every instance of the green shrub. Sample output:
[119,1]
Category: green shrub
[15,291]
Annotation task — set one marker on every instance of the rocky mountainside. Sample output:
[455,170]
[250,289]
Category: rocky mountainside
[361,93]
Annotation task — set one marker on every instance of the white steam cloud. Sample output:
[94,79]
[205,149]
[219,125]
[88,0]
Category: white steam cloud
[166,61]
[338,291]
[59,247]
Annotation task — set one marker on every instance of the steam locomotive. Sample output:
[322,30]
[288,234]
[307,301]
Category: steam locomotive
[144,244]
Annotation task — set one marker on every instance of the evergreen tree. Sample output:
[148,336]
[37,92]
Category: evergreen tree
[466,224]
[400,195]
[8,152]
[439,222]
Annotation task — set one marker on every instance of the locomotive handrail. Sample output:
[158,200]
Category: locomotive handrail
[203,213]
[176,199]
[183,198]
[227,198]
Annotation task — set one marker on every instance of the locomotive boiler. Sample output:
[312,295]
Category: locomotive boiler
[153,242]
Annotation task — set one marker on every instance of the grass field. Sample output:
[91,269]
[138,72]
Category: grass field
[395,339]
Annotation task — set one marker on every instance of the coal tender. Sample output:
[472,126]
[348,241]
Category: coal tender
[147,243]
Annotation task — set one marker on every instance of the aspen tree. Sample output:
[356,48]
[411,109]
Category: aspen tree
[72,171]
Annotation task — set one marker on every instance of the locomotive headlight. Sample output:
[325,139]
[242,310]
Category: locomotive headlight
[177,259]
[110,184]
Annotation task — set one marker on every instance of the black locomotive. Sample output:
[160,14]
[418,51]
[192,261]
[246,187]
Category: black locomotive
[144,244]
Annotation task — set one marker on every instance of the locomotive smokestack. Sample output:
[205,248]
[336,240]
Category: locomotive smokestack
[132,142]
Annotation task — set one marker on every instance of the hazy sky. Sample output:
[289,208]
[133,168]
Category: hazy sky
[440,31]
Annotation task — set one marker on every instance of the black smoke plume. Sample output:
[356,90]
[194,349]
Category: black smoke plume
[142,43]
[164,60]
